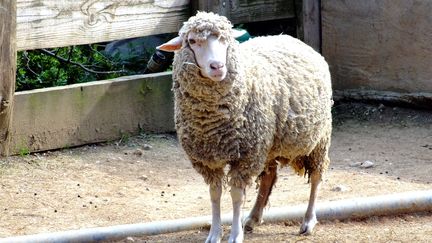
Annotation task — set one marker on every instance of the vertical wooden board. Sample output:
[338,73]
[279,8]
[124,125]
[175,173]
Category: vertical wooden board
[312,23]
[309,22]
[54,23]
[93,112]
[379,45]
[7,70]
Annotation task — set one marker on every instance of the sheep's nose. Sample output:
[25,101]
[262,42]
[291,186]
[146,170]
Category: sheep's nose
[216,65]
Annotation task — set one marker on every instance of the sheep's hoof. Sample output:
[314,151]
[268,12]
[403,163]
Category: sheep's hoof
[308,226]
[215,236]
[236,238]
[250,223]
[213,239]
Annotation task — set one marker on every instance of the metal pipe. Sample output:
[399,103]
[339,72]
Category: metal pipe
[408,202]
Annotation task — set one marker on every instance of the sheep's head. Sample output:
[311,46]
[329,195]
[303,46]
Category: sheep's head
[206,37]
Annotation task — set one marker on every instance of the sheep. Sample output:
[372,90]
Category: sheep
[250,107]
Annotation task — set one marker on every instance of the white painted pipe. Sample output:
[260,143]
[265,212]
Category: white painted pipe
[408,202]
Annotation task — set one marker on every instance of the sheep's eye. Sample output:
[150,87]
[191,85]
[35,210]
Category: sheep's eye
[192,41]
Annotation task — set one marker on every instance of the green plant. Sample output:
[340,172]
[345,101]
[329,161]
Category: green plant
[24,151]
[124,139]
[66,65]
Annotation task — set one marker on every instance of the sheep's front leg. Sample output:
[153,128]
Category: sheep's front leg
[216,232]
[310,220]
[237,195]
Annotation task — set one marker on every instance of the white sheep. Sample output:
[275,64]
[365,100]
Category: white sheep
[251,106]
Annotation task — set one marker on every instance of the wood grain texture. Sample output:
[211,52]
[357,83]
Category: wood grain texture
[7,70]
[245,11]
[55,23]
[220,7]
[379,45]
[73,115]
[309,20]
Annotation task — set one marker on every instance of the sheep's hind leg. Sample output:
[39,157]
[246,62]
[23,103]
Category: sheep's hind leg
[267,180]
[216,232]
[310,220]
[237,195]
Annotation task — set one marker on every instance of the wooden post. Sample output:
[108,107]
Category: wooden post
[7,69]
[309,22]
[222,7]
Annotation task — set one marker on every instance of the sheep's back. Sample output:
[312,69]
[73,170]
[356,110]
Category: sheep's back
[295,81]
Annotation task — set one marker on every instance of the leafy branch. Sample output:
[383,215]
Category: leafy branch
[75,64]
[68,61]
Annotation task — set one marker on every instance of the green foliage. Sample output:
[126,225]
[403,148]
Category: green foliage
[24,151]
[124,138]
[66,65]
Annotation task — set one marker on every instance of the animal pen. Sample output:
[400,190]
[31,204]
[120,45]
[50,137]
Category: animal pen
[363,59]
[87,110]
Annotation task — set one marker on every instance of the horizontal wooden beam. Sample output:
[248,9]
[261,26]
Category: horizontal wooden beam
[246,11]
[98,111]
[55,23]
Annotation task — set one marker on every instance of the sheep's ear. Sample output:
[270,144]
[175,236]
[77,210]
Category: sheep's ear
[172,45]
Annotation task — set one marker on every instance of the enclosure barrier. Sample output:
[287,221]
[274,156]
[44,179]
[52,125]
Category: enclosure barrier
[408,202]
[36,24]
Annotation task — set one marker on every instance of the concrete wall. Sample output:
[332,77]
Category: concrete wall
[93,112]
[379,45]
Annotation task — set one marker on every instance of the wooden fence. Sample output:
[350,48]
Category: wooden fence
[105,110]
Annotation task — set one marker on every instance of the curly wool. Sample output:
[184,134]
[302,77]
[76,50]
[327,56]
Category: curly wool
[205,24]
[274,104]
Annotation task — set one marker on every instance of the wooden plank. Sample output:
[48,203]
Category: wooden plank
[379,45]
[7,70]
[245,11]
[98,111]
[219,7]
[55,23]
[309,22]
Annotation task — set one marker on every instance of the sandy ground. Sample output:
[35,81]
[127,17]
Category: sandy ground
[148,177]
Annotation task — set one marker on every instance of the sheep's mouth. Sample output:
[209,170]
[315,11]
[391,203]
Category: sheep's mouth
[214,75]
[217,75]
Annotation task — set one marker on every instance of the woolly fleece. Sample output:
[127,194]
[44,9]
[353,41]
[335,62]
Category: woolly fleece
[274,104]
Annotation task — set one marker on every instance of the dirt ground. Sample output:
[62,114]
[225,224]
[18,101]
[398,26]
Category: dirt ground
[148,177]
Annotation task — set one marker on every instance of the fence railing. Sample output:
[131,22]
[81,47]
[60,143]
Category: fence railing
[35,24]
